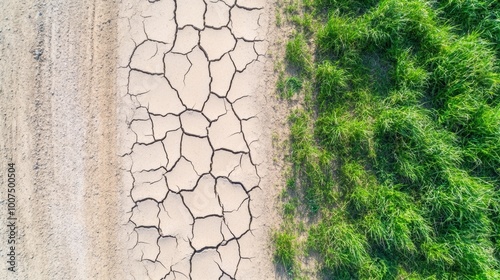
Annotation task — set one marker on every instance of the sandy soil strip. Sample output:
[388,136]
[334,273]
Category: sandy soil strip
[193,77]
[58,116]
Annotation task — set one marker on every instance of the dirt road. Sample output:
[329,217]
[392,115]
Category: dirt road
[57,91]
[140,137]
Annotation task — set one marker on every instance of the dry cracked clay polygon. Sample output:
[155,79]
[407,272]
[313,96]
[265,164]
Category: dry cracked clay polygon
[190,85]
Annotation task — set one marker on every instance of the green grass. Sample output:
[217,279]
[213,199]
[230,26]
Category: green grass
[396,155]
[288,87]
[343,247]
[297,54]
[285,251]
[475,16]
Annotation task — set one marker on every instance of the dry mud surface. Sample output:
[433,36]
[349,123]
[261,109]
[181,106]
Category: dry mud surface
[190,71]
[140,131]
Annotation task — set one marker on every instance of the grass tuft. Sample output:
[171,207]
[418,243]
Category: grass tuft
[288,87]
[285,251]
[297,53]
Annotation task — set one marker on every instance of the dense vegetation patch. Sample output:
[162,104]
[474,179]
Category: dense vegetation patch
[395,150]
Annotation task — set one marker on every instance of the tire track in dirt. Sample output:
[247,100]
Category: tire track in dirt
[58,98]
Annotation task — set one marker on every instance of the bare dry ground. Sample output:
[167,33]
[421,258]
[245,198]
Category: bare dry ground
[141,137]
[58,110]
[195,77]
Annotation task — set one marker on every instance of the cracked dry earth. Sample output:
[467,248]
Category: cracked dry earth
[189,70]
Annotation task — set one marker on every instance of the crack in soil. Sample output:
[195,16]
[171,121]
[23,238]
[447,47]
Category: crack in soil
[191,163]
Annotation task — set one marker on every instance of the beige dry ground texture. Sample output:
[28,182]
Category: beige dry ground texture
[58,106]
[141,133]
[195,158]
